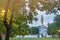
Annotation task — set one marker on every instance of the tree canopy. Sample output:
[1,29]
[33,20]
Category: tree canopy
[55,26]
[41,5]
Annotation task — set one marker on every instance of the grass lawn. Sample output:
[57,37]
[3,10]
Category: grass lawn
[35,38]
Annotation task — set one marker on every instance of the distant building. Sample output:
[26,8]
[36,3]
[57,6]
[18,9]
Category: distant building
[43,31]
[42,28]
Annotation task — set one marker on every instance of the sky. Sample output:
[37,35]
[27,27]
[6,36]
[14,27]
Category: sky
[47,18]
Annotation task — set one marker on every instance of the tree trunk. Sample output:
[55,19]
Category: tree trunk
[7,34]
[0,37]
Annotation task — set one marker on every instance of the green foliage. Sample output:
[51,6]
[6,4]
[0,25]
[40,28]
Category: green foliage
[34,30]
[22,29]
[57,19]
[2,28]
[52,28]
[55,26]
[48,5]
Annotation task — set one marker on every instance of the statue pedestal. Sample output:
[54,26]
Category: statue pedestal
[43,31]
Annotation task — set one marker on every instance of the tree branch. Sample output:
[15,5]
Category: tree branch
[5,14]
[11,18]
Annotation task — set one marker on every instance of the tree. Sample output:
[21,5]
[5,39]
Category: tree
[57,21]
[52,28]
[34,30]
[8,26]
[22,28]
[15,5]
[55,26]
[50,6]
[2,30]
[13,30]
